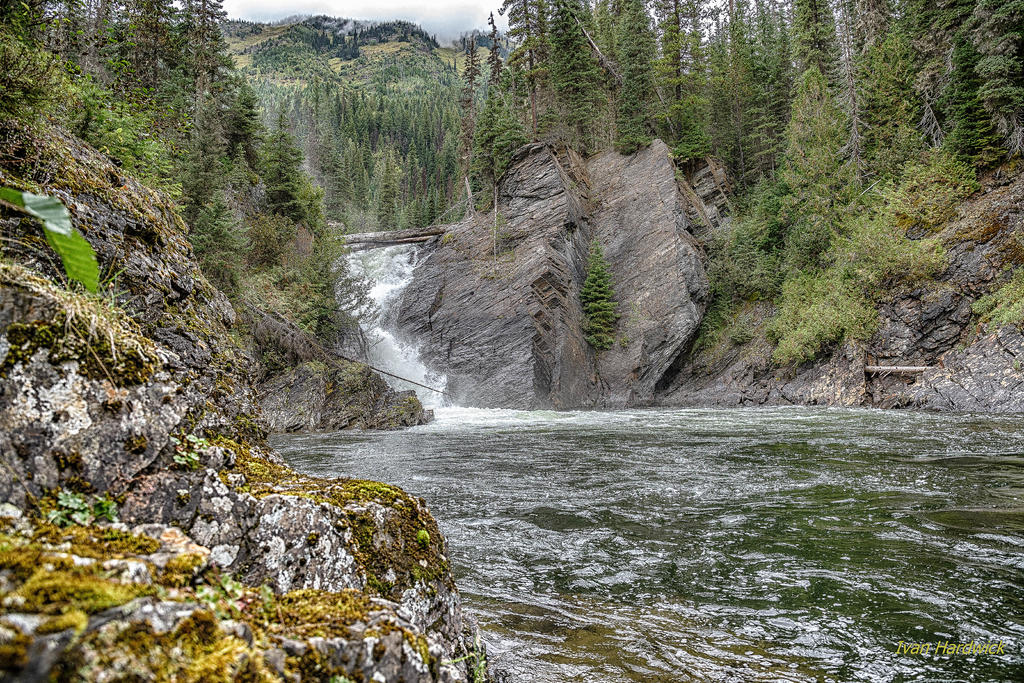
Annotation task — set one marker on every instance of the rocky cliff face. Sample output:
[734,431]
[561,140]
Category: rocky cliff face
[223,563]
[970,366]
[495,303]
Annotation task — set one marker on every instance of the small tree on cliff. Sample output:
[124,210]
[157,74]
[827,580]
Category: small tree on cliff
[598,299]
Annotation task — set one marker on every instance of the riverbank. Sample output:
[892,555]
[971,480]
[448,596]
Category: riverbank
[145,524]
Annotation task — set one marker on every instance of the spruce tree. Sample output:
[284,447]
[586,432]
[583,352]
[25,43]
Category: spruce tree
[205,42]
[204,163]
[527,25]
[282,160]
[574,72]
[682,78]
[494,57]
[386,180]
[635,53]
[218,243]
[598,299]
[820,184]
[815,36]
[467,104]
[890,105]
[997,29]
[498,135]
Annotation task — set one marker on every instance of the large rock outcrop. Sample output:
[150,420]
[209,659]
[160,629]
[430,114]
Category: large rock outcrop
[222,563]
[496,306]
[321,390]
[934,325]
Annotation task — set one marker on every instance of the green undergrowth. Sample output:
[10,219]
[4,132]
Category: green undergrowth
[1004,305]
[826,288]
[106,343]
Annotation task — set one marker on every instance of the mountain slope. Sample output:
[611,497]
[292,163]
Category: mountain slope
[374,105]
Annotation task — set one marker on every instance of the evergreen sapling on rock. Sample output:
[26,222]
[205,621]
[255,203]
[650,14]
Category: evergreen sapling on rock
[598,299]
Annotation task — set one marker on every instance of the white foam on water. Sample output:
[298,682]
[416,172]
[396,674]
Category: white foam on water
[389,271]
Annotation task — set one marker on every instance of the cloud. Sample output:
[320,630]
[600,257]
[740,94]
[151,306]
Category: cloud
[446,18]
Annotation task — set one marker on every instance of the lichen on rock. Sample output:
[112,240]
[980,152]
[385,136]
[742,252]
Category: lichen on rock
[224,564]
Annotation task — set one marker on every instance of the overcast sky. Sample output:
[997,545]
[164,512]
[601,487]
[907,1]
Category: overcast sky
[446,18]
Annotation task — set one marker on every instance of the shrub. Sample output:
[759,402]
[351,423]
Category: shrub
[1005,305]
[839,302]
[125,131]
[29,78]
[817,309]
[930,190]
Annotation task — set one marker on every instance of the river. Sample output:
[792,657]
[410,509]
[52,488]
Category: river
[719,545]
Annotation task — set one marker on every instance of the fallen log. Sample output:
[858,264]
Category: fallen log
[395,236]
[895,369]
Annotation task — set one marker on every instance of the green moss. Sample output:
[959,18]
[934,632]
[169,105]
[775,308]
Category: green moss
[97,542]
[181,570]
[308,613]
[418,642]
[194,652]
[14,652]
[76,619]
[395,546]
[56,592]
[136,444]
[24,561]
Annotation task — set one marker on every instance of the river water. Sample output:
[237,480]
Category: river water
[719,545]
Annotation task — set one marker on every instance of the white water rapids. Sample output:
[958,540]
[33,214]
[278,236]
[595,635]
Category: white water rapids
[389,270]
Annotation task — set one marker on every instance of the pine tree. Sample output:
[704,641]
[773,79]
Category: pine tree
[636,53]
[494,57]
[815,35]
[574,72]
[527,21]
[598,299]
[997,29]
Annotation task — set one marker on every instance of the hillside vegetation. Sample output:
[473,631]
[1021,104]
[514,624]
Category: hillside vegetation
[375,106]
[850,132]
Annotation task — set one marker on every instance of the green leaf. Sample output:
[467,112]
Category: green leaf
[75,252]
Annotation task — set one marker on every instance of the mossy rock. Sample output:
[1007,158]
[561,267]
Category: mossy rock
[389,547]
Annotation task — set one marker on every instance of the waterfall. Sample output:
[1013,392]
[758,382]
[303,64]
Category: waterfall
[388,271]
